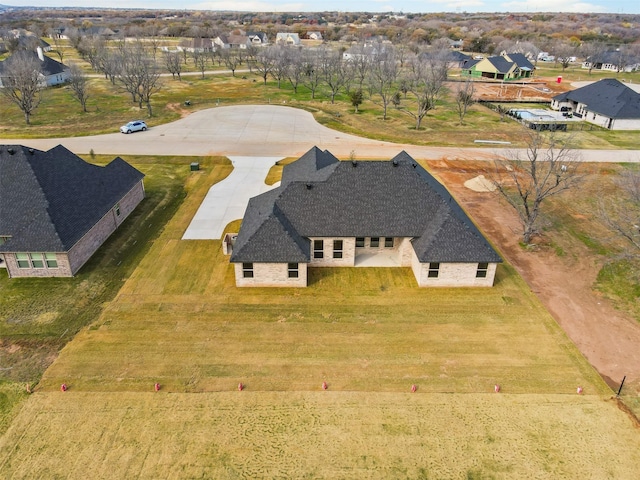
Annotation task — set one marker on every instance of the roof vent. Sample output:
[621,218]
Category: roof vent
[11,151]
[354,163]
[395,162]
[414,165]
[31,151]
[309,186]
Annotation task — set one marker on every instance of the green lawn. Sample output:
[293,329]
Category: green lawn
[370,333]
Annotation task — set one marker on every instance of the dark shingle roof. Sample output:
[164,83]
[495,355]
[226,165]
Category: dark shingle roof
[49,66]
[608,97]
[396,198]
[501,64]
[521,60]
[49,200]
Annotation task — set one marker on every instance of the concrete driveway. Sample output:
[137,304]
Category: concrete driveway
[227,200]
[268,130]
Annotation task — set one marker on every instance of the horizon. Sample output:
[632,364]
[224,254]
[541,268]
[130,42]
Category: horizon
[385,6]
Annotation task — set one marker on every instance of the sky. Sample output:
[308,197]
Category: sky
[414,6]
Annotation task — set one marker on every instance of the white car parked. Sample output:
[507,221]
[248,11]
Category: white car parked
[135,126]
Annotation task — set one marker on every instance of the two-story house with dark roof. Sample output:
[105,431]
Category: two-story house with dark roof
[56,209]
[608,103]
[328,213]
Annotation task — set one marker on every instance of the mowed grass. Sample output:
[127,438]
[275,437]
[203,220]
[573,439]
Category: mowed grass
[369,333]
[180,320]
[333,435]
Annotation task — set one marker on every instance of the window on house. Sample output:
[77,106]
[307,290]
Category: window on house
[318,249]
[292,270]
[359,242]
[481,272]
[36,260]
[23,260]
[434,270]
[337,249]
[117,209]
[51,260]
[247,270]
[375,242]
[388,242]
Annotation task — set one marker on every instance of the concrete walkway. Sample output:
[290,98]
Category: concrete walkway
[227,200]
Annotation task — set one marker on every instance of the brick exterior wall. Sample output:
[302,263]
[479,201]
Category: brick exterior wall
[348,253]
[70,262]
[63,269]
[453,275]
[449,274]
[271,275]
[98,234]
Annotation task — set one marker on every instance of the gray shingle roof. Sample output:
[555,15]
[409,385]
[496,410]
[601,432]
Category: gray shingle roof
[49,200]
[396,198]
[49,65]
[608,97]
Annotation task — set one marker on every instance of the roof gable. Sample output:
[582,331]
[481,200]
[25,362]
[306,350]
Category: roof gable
[64,195]
[396,198]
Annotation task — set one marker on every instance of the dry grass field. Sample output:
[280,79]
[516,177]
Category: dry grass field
[369,333]
[231,435]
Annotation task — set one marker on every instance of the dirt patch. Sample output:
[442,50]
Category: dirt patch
[177,107]
[608,338]
[530,90]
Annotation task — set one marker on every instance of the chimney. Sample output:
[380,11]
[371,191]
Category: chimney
[40,54]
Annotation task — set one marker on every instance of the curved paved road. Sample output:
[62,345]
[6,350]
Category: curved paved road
[267,131]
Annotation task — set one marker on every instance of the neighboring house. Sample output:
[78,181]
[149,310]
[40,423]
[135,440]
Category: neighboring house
[511,66]
[199,45]
[259,39]
[608,103]
[53,72]
[314,35]
[290,39]
[328,213]
[56,209]
[612,61]
[456,44]
[454,58]
[364,51]
[238,41]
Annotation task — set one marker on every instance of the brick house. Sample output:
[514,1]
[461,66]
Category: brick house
[328,213]
[56,209]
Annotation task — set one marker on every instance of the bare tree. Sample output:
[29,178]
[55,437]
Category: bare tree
[563,52]
[22,82]
[173,62]
[281,60]
[424,83]
[265,63]
[149,83]
[78,82]
[594,53]
[621,212]
[230,59]
[200,60]
[311,72]
[526,178]
[295,67]
[382,78]
[335,72]
[464,98]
